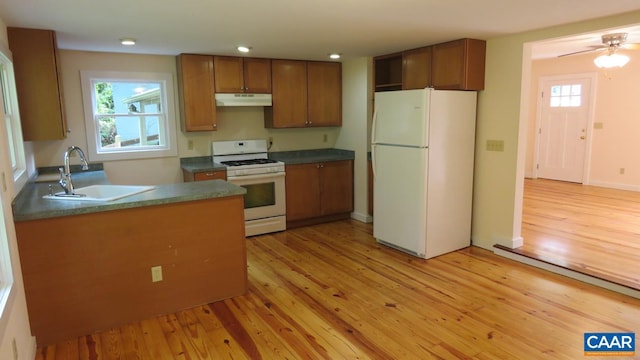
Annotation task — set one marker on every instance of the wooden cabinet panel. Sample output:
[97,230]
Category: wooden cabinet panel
[459,65]
[302,191]
[336,188]
[228,74]
[257,75]
[38,83]
[83,274]
[242,75]
[197,98]
[318,192]
[324,93]
[188,176]
[416,68]
[289,94]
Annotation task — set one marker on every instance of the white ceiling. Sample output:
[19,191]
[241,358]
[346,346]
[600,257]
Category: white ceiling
[298,29]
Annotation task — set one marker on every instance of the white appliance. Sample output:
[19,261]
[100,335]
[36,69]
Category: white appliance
[248,166]
[422,153]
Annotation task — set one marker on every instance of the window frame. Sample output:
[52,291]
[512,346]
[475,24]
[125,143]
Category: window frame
[15,141]
[7,192]
[87,77]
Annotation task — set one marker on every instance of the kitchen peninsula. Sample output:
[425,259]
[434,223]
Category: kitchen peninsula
[90,266]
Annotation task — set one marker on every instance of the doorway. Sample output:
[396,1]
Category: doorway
[563,137]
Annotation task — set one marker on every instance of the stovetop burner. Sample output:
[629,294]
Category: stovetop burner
[248,162]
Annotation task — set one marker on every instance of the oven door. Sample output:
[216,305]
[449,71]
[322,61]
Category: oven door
[265,195]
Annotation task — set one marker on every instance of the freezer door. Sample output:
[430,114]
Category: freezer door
[401,118]
[400,193]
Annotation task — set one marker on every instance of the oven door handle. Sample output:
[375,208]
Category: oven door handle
[256,177]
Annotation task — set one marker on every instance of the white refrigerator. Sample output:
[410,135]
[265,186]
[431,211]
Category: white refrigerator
[422,152]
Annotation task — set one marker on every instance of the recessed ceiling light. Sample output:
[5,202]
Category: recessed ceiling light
[127,41]
[334,56]
[244,49]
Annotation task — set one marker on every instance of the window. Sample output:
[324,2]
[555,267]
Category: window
[566,96]
[11,117]
[129,115]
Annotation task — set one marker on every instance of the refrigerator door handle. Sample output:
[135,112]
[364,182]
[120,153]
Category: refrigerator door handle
[373,161]
[373,126]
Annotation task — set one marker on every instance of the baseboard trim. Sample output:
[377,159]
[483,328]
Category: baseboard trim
[614,185]
[365,218]
[567,272]
[510,243]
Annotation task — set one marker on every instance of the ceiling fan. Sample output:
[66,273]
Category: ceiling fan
[610,42]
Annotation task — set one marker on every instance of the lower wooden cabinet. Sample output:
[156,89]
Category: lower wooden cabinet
[188,176]
[319,192]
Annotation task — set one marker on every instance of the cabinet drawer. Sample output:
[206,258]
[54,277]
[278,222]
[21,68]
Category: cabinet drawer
[210,175]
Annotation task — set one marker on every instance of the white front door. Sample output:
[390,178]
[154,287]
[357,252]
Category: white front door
[563,131]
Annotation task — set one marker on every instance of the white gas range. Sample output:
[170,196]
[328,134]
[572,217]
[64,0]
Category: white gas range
[248,166]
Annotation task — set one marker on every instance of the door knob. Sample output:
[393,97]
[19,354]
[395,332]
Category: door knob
[582,137]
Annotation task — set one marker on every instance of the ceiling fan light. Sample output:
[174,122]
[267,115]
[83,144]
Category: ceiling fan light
[609,61]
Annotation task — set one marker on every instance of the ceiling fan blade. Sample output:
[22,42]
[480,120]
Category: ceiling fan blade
[595,48]
[631,46]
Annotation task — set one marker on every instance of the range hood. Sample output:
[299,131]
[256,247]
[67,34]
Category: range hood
[243,100]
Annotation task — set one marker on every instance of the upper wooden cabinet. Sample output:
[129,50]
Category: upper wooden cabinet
[289,95]
[197,99]
[38,83]
[388,72]
[416,68]
[324,93]
[242,75]
[305,93]
[455,65]
[459,65]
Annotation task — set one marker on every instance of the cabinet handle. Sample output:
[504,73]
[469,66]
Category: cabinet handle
[215,125]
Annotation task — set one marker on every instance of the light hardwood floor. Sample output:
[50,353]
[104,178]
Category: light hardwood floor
[331,292]
[593,230]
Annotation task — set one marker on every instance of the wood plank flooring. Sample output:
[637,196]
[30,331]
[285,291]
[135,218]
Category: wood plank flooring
[593,230]
[331,292]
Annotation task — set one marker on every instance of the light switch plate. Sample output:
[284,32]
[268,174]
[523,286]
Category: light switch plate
[495,145]
[156,273]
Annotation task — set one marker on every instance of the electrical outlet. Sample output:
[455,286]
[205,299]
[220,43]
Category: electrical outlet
[270,140]
[156,273]
[190,144]
[325,137]
[495,145]
[621,171]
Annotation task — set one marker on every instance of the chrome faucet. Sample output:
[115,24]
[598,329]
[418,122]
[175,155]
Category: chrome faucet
[65,174]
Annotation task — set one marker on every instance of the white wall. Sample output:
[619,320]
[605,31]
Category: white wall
[499,176]
[615,145]
[14,324]
[233,123]
[356,108]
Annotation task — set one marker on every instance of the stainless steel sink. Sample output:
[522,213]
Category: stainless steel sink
[100,193]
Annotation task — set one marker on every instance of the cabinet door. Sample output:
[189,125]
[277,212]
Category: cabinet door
[324,93]
[289,91]
[416,65]
[197,99]
[336,187]
[257,76]
[302,191]
[459,65]
[39,91]
[228,74]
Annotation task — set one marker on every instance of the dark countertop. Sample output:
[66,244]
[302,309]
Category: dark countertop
[205,163]
[200,164]
[312,156]
[29,204]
